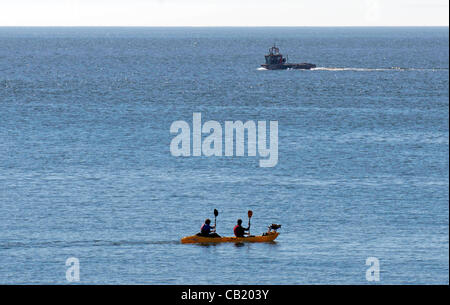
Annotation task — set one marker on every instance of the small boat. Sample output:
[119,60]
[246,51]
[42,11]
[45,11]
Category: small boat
[276,61]
[196,239]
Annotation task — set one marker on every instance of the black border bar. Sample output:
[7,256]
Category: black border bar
[223,294]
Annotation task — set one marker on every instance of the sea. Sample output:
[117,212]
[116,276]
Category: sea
[89,185]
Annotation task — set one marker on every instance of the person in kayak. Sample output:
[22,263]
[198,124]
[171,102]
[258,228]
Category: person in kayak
[207,230]
[239,230]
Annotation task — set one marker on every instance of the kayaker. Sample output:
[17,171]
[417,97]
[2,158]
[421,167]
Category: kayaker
[239,230]
[207,230]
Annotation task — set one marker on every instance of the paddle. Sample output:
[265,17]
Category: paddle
[216,213]
[250,214]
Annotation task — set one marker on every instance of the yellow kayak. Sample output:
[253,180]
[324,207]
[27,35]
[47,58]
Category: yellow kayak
[195,239]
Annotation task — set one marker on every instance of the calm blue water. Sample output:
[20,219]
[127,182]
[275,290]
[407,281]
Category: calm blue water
[86,171]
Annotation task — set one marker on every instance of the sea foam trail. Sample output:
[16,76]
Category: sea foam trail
[375,69]
[365,69]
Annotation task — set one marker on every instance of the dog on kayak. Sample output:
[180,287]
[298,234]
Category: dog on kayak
[273,228]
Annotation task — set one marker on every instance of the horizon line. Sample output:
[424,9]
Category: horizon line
[226,26]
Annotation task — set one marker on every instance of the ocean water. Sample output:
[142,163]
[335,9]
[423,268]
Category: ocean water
[86,170]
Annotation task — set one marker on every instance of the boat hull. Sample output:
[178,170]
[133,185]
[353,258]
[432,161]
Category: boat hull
[302,66]
[195,239]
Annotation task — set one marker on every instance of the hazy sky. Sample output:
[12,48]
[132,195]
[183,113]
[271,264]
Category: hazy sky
[223,12]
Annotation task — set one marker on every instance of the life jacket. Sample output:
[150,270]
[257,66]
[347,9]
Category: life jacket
[238,231]
[205,229]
